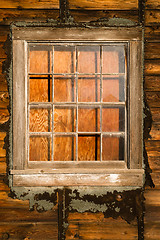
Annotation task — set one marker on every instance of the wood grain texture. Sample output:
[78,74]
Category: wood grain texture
[105,5]
[153,99]
[152,33]
[152,67]
[3,84]
[152,83]
[4,100]
[155,131]
[32,231]
[34,4]
[152,50]
[4,116]
[152,17]
[89,226]
[151,4]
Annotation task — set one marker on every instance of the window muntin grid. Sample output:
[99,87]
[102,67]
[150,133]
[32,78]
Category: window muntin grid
[72,101]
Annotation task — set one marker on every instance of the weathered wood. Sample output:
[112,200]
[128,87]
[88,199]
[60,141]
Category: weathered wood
[24,215]
[152,203]
[77,34]
[155,114]
[101,4]
[3,84]
[152,33]
[152,83]
[29,4]
[151,4]
[153,99]
[152,67]
[4,100]
[4,31]
[152,50]
[155,131]
[153,148]
[3,167]
[112,179]
[154,163]
[32,231]
[156,179]
[135,105]
[152,17]
[2,51]
[88,226]
[4,116]
[152,231]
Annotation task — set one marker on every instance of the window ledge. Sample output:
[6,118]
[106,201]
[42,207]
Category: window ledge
[121,177]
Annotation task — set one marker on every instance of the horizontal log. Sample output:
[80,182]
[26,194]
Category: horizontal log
[154,163]
[152,4]
[4,116]
[30,4]
[152,231]
[155,114]
[156,179]
[32,231]
[152,83]
[9,15]
[3,84]
[152,17]
[152,33]
[24,215]
[152,50]
[153,148]
[4,100]
[3,167]
[152,67]
[102,5]
[2,51]
[2,153]
[153,99]
[2,136]
[102,228]
[4,31]
[94,15]
[155,131]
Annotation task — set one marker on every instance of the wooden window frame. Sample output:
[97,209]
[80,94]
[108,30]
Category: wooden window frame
[109,173]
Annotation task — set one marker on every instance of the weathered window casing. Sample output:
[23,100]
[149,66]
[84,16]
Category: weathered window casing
[109,173]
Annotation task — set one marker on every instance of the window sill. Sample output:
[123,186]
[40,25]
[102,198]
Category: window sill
[109,177]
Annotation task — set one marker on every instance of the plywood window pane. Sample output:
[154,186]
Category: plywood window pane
[88,119]
[112,148]
[39,148]
[88,59]
[64,59]
[113,59]
[64,88]
[40,88]
[40,120]
[40,59]
[89,148]
[113,119]
[64,119]
[64,148]
[89,88]
[113,89]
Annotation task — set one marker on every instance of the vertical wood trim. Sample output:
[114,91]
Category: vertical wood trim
[19,106]
[136,105]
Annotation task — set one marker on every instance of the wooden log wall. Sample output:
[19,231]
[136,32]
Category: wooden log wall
[16,221]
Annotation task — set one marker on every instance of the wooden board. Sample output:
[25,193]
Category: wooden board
[105,5]
[153,99]
[152,50]
[152,17]
[29,4]
[152,83]
[151,4]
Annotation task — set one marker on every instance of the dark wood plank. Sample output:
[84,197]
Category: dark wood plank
[29,4]
[4,116]
[152,83]
[152,67]
[151,4]
[155,114]
[155,131]
[152,50]
[152,33]
[105,5]
[152,17]
[4,100]
[153,148]
[32,231]
[152,231]
[154,163]
[88,226]
[153,99]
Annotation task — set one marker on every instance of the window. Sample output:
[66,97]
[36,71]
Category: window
[77,107]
